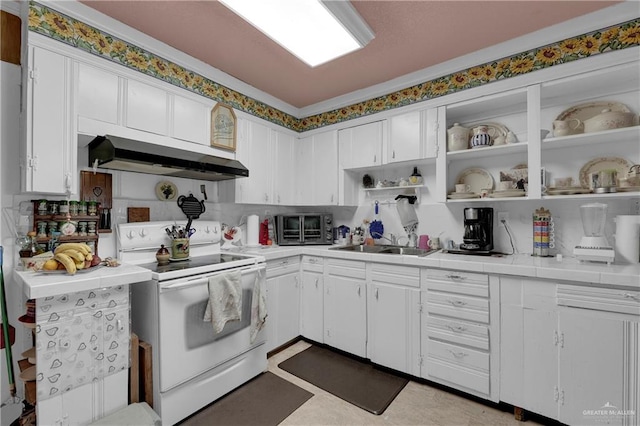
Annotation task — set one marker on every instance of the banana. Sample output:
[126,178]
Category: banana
[67,261]
[84,248]
[76,255]
[79,264]
[88,256]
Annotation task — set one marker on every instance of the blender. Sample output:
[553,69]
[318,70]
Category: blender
[593,245]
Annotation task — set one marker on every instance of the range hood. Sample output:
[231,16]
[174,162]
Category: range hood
[112,152]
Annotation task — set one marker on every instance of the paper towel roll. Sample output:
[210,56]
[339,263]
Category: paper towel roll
[253,229]
[627,238]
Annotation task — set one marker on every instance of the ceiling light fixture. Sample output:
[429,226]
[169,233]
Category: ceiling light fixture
[315,31]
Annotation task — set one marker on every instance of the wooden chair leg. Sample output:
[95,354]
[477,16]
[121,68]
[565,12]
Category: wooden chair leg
[519,414]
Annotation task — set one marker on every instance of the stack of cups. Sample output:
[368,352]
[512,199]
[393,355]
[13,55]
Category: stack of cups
[543,235]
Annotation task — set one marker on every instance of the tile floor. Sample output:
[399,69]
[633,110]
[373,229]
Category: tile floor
[417,404]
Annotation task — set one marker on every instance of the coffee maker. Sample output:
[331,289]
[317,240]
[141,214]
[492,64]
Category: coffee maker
[478,229]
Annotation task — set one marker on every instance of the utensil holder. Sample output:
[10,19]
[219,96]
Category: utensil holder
[180,248]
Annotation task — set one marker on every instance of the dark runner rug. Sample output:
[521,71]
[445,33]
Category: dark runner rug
[266,401]
[357,382]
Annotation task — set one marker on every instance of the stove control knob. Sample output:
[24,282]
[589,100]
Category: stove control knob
[207,230]
[143,233]
[130,235]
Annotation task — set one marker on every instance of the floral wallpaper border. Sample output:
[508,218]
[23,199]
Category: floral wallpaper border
[58,26]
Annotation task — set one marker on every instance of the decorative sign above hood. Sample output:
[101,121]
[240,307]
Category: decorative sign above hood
[111,152]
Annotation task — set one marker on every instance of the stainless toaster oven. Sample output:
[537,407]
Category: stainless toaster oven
[304,229]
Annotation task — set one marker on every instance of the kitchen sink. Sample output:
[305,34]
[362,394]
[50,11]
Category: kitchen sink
[360,248]
[386,249]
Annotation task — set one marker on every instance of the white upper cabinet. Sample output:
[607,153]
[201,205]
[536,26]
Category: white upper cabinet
[146,107]
[284,172]
[254,150]
[316,170]
[98,94]
[412,136]
[49,153]
[361,146]
[190,120]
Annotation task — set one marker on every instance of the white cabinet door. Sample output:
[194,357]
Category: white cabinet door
[405,137]
[284,172]
[316,170]
[361,146]
[190,120]
[49,156]
[540,353]
[283,302]
[98,94]
[311,305]
[254,150]
[345,306]
[592,367]
[146,108]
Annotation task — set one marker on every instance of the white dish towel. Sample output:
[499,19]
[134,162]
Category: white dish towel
[258,306]
[225,300]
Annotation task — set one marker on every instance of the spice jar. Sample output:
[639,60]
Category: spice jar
[53,207]
[73,208]
[162,255]
[42,229]
[53,227]
[92,208]
[63,207]
[82,228]
[82,208]
[43,208]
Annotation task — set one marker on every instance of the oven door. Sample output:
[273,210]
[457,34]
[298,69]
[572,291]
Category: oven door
[288,228]
[188,345]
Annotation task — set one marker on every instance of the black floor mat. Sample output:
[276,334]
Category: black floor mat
[356,382]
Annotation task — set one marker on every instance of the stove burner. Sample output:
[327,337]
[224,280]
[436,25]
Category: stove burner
[194,262]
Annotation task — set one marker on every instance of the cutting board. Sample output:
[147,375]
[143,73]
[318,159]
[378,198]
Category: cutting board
[137,214]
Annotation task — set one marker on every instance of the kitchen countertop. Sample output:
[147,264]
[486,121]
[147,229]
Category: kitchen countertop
[38,284]
[522,265]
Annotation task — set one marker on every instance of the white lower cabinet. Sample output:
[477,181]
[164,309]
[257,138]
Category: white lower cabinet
[393,296]
[345,306]
[457,324]
[312,298]
[566,360]
[283,301]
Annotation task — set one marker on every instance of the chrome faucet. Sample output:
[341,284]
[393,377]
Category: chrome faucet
[391,238]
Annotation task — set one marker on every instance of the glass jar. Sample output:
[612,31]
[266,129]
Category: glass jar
[43,208]
[82,228]
[53,207]
[42,229]
[82,208]
[53,227]
[91,228]
[63,207]
[73,208]
[92,208]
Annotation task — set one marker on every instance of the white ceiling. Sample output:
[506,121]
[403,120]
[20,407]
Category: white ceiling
[410,36]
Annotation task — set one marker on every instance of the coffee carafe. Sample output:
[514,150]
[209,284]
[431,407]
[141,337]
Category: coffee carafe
[478,229]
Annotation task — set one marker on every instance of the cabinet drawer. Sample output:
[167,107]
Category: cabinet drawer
[457,276]
[312,263]
[454,375]
[602,299]
[458,332]
[456,306]
[288,265]
[470,288]
[397,274]
[346,268]
[460,366]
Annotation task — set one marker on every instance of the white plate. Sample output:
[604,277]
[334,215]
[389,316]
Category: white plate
[64,271]
[506,194]
[462,196]
[603,163]
[476,178]
[589,110]
[166,191]
[568,191]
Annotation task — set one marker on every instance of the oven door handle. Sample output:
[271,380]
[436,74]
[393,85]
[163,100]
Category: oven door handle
[204,279]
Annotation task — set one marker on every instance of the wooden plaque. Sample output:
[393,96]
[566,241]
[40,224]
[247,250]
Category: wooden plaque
[96,187]
[137,214]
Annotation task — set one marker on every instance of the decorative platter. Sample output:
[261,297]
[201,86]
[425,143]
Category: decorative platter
[166,191]
[462,195]
[476,178]
[588,110]
[508,193]
[64,271]
[603,163]
[568,191]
